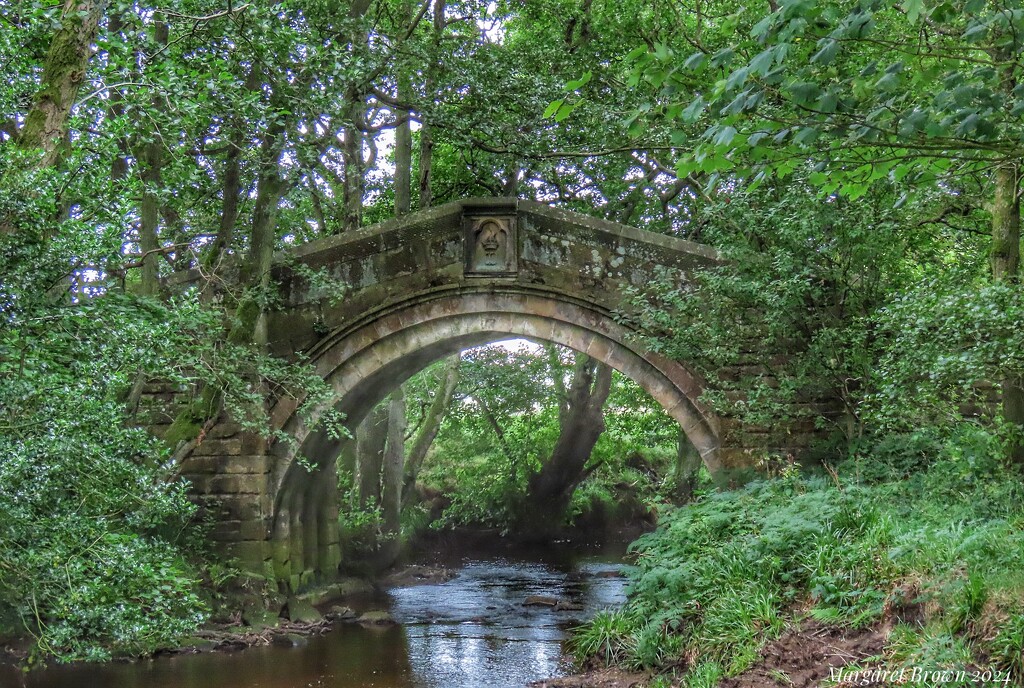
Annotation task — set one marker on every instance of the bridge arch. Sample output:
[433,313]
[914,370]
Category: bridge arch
[418,288]
[367,360]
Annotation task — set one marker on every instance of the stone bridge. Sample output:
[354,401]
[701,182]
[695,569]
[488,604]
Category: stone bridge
[419,288]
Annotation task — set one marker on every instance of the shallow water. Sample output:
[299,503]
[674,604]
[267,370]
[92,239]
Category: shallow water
[472,631]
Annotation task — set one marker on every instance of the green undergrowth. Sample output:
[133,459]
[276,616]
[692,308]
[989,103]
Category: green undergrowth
[926,536]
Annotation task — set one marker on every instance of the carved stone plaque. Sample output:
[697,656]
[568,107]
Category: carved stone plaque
[491,245]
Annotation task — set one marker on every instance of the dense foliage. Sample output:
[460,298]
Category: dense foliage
[501,427]
[505,425]
[857,164]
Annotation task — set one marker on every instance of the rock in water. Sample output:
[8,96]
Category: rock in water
[259,618]
[300,611]
[540,601]
[376,618]
[290,640]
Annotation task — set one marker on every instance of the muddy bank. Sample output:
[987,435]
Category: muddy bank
[808,655]
[803,657]
[600,678]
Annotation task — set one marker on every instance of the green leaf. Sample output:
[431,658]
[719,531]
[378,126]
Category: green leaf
[827,102]
[737,78]
[564,110]
[724,136]
[552,108]
[762,62]
[737,104]
[976,32]
[806,136]
[968,125]
[695,61]
[762,27]
[805,91]
[827,53]
[577,84]
[722,57]
[693,110]
[635,53]
[913,123]
[914,9]
[888,82]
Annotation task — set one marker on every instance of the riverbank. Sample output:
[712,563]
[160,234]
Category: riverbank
[288,623]
[780,582]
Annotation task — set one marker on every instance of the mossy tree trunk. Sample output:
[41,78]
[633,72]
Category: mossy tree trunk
[393,467]
[429,428]
[151,159]
[371,438]
[1005,260]
[64,71]
[426,134]
[686,469]
[231,180]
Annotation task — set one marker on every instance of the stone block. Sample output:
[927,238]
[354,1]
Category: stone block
[256,529]
[243,483]
[224,430]
[245,507]
[251,555]
[201,484]
[218,447]
[201,465]
[259,463]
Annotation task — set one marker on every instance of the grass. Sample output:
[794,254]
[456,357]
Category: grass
[942,549]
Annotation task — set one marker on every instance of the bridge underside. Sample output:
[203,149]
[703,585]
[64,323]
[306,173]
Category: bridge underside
[419,289]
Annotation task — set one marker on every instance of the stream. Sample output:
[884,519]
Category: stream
[471,632]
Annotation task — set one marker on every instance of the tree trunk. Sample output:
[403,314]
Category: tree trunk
[687,468]
[64,71]
[403,141]
[231,185]
[426,135]
[255,271]
[151,158]
[403,167]
[352,152]
[581,422]
[119,165]
[1005,258]
[394,464]
[371,437]
[429,428]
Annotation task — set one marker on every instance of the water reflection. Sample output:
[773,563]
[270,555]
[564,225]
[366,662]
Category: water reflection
[349,656]
[473,631]
[490,637]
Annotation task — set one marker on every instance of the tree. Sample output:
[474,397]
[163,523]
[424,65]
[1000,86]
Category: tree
[924,93]
[580,424]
